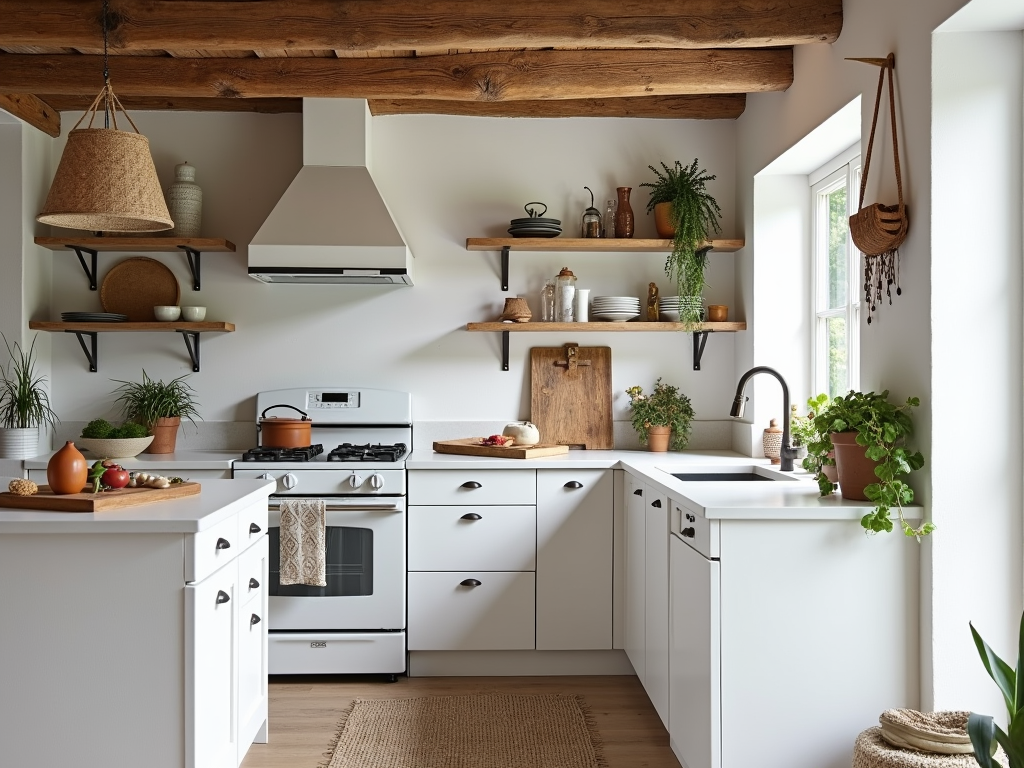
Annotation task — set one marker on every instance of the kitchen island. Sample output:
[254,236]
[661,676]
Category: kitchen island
[136,636]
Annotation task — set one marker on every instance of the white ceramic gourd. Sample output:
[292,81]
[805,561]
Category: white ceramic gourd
[524,433]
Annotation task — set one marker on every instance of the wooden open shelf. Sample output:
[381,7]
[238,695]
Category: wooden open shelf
[189,331]
[586,244]
[193,247]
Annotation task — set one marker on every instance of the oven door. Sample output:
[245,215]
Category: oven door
[365,570]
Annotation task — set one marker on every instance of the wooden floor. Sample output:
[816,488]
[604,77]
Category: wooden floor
[304,712]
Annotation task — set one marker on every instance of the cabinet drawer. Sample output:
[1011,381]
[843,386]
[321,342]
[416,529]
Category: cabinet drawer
[491,538]
[473,486]
[252,524]
[208,550]
[252,571]
[447,613]
[696,530]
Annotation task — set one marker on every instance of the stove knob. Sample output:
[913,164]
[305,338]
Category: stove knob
[377,481]
[289,481]
[355,480]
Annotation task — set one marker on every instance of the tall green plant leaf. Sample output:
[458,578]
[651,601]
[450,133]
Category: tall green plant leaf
[982,730]
[999,671]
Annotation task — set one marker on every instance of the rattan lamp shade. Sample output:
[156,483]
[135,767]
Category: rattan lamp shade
[106,182]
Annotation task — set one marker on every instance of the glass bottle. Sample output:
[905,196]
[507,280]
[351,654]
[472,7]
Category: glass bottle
[565,294]
[623,213]
[590,226]
[609,219]
[547,302]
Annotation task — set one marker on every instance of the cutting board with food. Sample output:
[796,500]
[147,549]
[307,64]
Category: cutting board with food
[45,499]
[479,446]
[571,395]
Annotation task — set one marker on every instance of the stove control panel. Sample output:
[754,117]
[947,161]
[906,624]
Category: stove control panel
[314,482]
[331,400]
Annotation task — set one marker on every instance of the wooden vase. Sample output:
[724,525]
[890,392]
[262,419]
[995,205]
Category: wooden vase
[856,471]
[663,221]
[658,438]
[67,471]
[623,213]
[165,433]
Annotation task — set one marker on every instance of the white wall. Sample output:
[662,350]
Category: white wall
[445,179]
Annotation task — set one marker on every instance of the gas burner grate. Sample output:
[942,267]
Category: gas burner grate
[283,454]
[350,452]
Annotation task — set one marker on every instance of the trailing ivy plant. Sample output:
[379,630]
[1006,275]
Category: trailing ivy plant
[666,406]
[882,429]
[819,444]
[985,735]
[695,215]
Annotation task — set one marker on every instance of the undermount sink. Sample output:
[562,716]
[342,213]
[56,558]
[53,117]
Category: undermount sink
[732,475]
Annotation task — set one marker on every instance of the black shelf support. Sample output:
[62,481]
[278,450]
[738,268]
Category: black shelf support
[504,270]
[92,350]
[700,338]
[192,344]
[89,273]
[504,350]
[193,257]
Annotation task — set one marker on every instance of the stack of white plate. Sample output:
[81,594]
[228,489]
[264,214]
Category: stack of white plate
[616,309]
[668,308]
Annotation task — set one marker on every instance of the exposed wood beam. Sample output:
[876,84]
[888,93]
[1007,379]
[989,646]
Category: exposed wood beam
[715,107]
[140,103]
[492,76]
[405,24]
[33,111]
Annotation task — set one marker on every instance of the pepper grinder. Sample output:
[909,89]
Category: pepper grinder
[591,223]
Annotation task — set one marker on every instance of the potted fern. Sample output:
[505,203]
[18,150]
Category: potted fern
[24,404]
[159,407]
[685,211]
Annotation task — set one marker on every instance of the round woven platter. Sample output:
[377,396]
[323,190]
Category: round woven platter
[136,285]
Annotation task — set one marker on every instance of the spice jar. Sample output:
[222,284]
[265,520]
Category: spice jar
[565,294]
[591,223]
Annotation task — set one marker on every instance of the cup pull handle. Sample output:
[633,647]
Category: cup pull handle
[638,492]
[472,484]
[223,544]
[573,484]
[253,528]
[254,620]
[222,597]
[471,516]
[253,584]
[656,503]
[470,583]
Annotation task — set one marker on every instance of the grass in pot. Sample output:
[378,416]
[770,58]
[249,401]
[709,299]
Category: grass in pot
[985,735]
[105,441]
[686,212]
[159,407]
[24,404]
[661,419]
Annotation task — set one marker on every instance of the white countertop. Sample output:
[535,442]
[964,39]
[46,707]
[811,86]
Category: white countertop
[218,500]
[179,461]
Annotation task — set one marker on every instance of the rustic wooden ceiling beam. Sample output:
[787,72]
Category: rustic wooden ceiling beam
[63,103]
[33,111]
[714,107]
[366,25]
[490,76]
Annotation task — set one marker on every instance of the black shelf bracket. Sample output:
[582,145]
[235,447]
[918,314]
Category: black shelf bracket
[192,344]
[504,270]
[89,273]
[700,338]
[91,351]
[504,350]
[194,257]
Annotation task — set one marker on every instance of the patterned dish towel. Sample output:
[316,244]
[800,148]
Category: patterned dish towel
[304,542]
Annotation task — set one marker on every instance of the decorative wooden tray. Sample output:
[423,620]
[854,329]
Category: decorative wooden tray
[47,500]
[470,446]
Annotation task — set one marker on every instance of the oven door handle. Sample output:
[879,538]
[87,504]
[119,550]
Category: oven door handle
[361,506]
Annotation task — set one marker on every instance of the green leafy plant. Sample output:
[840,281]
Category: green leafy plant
[985,735]
[695,215]
[23,401]
[666,406]
[101,429]
[882,429]
[150,400]
[819,445]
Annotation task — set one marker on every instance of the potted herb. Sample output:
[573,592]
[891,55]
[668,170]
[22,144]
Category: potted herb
[687,214]
[985,735]
[24,404]
[868,435]
[159,407]
[820,459]
[103,439]
[661,418]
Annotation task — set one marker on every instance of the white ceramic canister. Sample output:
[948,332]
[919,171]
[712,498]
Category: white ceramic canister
[523,432]
[185,202]
[582,305]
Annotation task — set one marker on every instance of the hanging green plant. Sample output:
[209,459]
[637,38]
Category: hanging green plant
[695,215]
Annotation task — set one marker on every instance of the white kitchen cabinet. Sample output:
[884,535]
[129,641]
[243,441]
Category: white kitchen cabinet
[656,602]
[472,538]
[636,573]
[574,559]
[253,667]
[472,486]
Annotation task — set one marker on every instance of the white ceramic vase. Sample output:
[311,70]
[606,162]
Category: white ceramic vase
[185,202]
[19,443]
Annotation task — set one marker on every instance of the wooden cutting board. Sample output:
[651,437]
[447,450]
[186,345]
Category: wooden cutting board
[470,446]
[47,500]
[571,400]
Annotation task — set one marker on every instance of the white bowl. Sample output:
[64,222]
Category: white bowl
[166,314]
[193,314]
[127,448]
[617,317]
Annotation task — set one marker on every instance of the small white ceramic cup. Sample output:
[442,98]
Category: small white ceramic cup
[582,305]
[167,314]
[193,314]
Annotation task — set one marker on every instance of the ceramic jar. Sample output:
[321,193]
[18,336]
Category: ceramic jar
[623,213]
[185,202]
[67,471]
[523,432]
[772,442]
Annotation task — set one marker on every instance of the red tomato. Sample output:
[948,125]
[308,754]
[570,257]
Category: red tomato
[115,477]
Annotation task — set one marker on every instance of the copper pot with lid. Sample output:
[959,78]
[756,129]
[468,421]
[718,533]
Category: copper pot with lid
[285,432]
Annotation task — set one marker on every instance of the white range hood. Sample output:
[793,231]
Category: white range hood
[332,226]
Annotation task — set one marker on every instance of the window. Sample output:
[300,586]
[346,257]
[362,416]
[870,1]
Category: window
[836,321]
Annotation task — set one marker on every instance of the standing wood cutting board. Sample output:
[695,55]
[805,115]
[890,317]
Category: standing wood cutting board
[571,395]
[46,500]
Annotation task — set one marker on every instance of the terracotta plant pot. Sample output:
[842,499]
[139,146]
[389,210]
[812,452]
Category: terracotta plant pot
[658,438]
[165,434]
[67,471]
[830,471]
[856,471]
[663,221]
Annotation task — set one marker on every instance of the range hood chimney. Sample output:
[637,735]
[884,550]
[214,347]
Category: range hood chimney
[332,226]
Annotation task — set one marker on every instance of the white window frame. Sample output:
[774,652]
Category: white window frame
[841,170]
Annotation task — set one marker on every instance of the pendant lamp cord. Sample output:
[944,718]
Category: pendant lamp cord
[106,71]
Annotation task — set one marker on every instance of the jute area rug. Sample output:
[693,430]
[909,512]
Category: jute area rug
[481,731]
